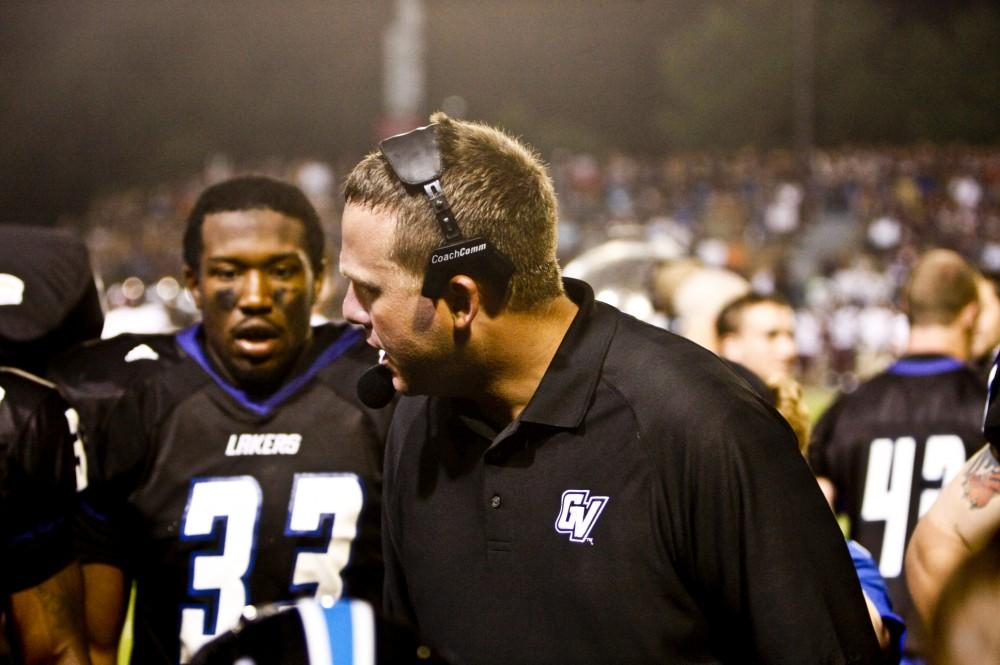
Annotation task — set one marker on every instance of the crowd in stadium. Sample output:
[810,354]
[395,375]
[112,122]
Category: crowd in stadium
[833,230]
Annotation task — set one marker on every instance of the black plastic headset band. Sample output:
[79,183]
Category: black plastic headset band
[416,160]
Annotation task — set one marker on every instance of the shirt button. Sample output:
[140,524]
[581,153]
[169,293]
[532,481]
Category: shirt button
[495,501]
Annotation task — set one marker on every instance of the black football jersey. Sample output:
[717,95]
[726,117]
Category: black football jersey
[889,447]
[213,501]
[94,375]
[38,481]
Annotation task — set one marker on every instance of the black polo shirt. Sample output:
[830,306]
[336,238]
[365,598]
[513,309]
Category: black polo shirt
[646,507]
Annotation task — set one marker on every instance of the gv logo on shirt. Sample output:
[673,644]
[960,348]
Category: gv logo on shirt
[578,513]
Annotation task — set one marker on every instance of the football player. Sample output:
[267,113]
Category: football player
[245,471]
[40,580]
[48,301]
[887,448]
[92,377]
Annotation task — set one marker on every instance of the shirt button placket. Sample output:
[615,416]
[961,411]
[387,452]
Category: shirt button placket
[493,498]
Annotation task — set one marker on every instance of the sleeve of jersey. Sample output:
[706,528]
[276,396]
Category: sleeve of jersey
[39,498]
[115,462]
[776,577]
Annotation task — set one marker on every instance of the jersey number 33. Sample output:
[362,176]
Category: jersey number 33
[227,509]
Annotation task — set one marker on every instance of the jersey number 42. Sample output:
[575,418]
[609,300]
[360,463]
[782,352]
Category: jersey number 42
[888,486]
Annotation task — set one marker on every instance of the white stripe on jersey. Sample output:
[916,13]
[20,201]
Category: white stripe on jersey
[363,629]
[314,625]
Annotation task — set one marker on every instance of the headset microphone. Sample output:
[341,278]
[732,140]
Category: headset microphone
[375,389]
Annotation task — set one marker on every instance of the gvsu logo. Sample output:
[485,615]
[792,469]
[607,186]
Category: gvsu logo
[578,514]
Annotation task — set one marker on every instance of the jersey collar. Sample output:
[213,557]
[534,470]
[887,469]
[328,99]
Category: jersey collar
[925,365]
[189,339]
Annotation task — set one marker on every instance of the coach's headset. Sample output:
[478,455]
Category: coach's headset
[416,161]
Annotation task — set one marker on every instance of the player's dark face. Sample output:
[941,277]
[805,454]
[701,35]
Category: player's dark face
[255,288]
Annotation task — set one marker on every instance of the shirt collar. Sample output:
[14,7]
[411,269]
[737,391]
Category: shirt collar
[567,388]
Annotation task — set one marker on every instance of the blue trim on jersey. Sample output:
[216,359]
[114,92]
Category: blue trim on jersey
[89,508]
[925,366]
[38,530]
[188,340]
[341,631]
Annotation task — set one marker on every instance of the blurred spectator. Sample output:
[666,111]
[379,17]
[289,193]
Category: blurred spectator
[759,333]
[693,295]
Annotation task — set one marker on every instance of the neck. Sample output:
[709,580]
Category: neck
[263,386]
[520,350]
[945,340]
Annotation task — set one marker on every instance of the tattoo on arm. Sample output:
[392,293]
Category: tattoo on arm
[982,479]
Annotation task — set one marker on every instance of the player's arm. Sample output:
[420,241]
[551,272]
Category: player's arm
[829,490]
[889,626]
[106,529]
[105,605]
[101,539]
[45,597]
[961,521]
[47,620]
[881,630]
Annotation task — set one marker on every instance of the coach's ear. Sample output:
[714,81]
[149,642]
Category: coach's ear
[463,299]
[192,284]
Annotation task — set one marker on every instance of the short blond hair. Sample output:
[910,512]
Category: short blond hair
[941,284]
[498,188]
